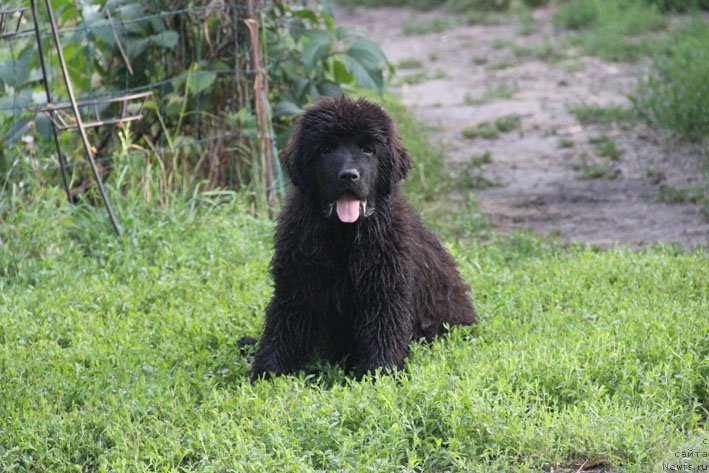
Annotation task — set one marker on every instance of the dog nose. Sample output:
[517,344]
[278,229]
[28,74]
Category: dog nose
[350,174]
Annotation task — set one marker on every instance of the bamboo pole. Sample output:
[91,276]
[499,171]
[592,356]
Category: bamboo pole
[261,101]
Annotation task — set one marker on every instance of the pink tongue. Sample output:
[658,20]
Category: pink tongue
[348,209]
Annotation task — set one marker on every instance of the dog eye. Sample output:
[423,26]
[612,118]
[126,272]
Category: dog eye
[324,149]
[368,150]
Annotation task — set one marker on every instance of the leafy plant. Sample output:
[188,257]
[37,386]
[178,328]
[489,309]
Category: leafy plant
[675,94]
[200,123]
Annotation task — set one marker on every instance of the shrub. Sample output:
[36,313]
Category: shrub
[535,3]
[679,5]
[617,30]
[675,95]
[484,5]
[577,15]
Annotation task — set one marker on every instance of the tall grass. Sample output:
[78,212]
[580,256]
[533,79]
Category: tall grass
[617,30]
[675,95]
[122,355]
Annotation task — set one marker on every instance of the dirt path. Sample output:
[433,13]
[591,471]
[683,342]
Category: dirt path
[470,74]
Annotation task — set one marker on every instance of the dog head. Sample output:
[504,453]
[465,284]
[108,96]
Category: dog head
[346,154]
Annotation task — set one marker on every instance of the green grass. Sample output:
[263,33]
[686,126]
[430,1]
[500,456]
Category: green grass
[478,160]
[467,176]
[680,195]
[420,75]
[605,147]
[675,95]
[566,143]
[410,63]
[121,355]
[598,171]
[500,92]
[544,51]
[616,30]
[614,114]
[502,64]
[508,123]
[493,130]
[483,130]
[432,25]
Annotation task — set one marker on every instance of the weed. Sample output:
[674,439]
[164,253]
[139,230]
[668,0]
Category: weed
[479,60]
[492,131]
[535,3]
[526,24]
[675,95]
[500,43]
[617,30]
[421,75]
[598,171]
[483,130]
[508,123]
[548,52]
[680,195]
[504,64]
[432,25]
[578,14]
[500,92]
[477,5]
[586,114]
[606,147]
[482,17]
[467,176]
[418,4]
[566,143]
[478,160]
[410,63]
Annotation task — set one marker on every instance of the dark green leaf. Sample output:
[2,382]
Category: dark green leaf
[166,39]
[368,78]
[316,46]
[14,72]
[307,14]
[329,23]
[340,72]
[329,89]
[174,106]
[132,10]
[368,53]
[286,109]
[135,47]
[296,28]
[201,80]
[343,32]
[43,125]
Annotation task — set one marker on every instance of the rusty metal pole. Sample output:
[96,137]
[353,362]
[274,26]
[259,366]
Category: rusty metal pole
[261,99]
[48,93]
[79,122]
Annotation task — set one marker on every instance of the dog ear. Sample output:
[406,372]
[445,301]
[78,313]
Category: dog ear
[396,165]
[292,158]
[402,160]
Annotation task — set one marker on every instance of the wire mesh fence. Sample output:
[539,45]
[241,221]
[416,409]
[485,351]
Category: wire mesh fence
[193,58]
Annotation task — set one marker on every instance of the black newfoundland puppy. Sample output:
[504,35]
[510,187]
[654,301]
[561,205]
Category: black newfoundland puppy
[356,274]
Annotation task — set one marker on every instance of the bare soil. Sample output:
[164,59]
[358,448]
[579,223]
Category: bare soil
[539,167]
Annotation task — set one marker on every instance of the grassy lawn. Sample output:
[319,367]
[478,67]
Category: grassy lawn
[122,355]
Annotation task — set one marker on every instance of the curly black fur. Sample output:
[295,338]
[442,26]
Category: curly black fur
[354,292]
